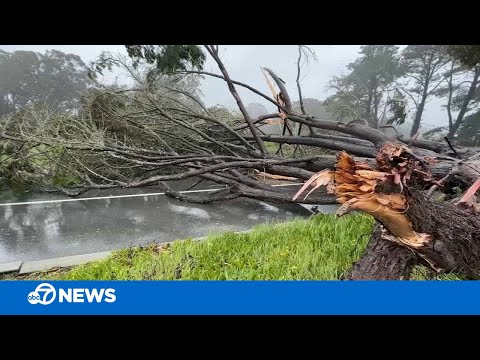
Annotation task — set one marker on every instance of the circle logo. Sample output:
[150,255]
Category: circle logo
[44,294]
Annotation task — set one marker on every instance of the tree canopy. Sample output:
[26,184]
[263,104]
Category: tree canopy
[363,92]
[468,55]
[423,65]
[27,77]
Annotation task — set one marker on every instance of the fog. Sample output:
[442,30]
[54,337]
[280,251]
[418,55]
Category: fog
[243,63]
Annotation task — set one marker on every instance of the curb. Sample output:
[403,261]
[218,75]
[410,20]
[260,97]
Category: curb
[10,267]
[40,265]
[28,267]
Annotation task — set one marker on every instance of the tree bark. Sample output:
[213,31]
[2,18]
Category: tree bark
[369,106]
[383,260]
[455,244]
[471,93]
[419,113]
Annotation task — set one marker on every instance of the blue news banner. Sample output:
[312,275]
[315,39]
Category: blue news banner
[239,297]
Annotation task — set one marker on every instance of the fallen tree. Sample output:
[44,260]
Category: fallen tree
[149,135]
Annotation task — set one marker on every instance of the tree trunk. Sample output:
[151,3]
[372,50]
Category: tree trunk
[410,228]
[454,246]
[376,102]
[369,107]
[455,235]
[419,113]
[383,260]
[471,93]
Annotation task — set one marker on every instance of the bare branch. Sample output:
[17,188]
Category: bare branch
[367,151]
[232,89]
[252,89]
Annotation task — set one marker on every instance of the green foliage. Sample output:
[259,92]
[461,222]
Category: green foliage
[423,65]
[54,78]
[398,108]
[378,65]
[424,61]
[62,179]
[255,110]
[424,273]
[469,132]
[30,167]
[469,55]
[313,107]
[361,93]
[461,78]
[225,115]
[166,114]
[462,93]
[321,248]
[167,59]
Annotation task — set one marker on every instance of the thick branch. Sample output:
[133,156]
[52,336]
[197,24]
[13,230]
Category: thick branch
[252,89]
[221,195]
[359,131]
[332,144]
[242,108]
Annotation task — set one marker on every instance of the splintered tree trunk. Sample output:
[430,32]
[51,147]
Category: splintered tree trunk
[410,229]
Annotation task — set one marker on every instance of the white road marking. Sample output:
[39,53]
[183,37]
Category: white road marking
[121,196]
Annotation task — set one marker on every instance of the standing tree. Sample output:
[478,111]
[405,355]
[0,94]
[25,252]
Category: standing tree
[423,65]
[468,55]
[26,77]
[469,131]
[362,92]
[463,93]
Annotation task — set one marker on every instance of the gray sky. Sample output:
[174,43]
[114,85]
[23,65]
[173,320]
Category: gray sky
[243,63]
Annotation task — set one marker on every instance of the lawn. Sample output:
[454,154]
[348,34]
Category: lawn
[319,248]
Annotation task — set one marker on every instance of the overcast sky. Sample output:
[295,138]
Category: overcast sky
[243,63]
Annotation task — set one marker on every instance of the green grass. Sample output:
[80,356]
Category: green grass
[319,248]
[423,273]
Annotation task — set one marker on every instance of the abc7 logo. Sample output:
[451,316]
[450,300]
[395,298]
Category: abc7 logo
[44,294]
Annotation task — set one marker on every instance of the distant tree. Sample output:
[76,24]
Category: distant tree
[462,92]
[313,107]
[255,110]
[469,131]
[167,59]
[362,92]
[468,55]
[27,77]
[423,65]
[348,102]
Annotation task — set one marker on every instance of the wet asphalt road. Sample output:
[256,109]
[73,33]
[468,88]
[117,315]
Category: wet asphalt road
[47,230]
